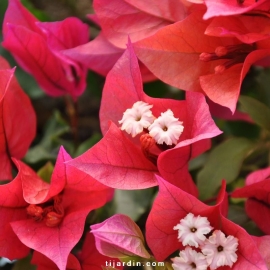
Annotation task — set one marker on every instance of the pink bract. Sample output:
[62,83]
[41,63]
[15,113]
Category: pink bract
[119,236]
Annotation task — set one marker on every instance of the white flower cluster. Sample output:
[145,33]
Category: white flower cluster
[164,129]
[216,250]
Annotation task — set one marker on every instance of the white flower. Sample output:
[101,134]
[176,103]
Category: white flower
[137,118]
[189,260]
[166,128]
[220,250]
[192,230]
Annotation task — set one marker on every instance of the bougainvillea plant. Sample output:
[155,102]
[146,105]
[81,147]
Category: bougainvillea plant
[135,135]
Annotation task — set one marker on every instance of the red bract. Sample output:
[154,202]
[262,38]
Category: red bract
[48,218]
[118,160]
[38,48]
[172,204]
[188,58]
[257,191]
[119,19]
[17,120]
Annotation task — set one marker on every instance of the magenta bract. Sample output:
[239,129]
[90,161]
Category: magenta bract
[38,48]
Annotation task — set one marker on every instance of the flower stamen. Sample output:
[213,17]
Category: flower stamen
[52,214]
[220,248]
[234,54]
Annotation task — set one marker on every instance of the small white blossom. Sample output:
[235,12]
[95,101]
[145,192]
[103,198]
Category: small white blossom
[137,118]
[189,260]
[192,230]
[220,250]
[166,128]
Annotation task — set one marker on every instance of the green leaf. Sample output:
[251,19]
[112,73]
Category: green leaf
[258,111]
[48,147]
[224,162]
[262,85]
[24,264]
[252,228]
[237,215]
[38,153]
[88,144]
[39,14]
[3,7]
[197,162]
[133,203]
[45,172]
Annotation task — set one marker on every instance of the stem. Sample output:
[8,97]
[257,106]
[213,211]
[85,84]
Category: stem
[72,112]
